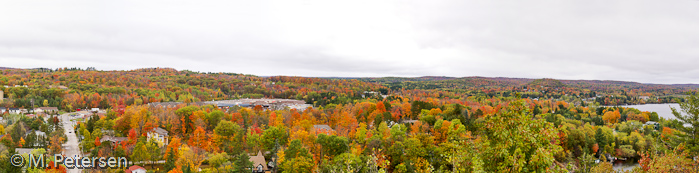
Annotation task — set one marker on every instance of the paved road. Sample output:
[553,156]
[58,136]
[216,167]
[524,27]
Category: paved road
[70,148]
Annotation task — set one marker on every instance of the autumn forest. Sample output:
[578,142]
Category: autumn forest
[390,124]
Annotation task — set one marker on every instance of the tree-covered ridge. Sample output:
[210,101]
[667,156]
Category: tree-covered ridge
[109,89]
[604,92]
[546,83]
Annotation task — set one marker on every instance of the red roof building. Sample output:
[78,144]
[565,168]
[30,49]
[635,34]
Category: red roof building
[135,169]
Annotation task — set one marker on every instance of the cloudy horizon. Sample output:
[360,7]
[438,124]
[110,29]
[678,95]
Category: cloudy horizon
[639,41]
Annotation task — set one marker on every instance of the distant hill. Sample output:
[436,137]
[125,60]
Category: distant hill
[604,91]
[548,83]
[687,85]
[402,79]
[527,81]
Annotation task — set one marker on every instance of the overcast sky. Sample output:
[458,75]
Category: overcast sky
[644,41]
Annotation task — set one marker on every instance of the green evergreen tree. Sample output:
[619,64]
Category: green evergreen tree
[600,138]
[170,162]
[690,108]
[242,163]
[536,111]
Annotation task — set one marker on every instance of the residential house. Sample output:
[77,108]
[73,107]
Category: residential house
[324,129]
[3,110]
[14,110]
[158,134]
[113,139]
[258,163]
[655,125]
[39,138]
[135,169]
[40,133]
[24,150]
[1,95]
[410,121]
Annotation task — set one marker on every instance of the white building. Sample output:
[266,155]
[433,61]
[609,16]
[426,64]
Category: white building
[14,110]
[46,110]
[158,134]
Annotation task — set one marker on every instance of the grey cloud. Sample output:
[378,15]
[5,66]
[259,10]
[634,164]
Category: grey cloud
[643,41]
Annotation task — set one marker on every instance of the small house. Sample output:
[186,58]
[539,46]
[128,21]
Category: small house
[258,163]
[158,134]
[14,110]
[24,150]
[40,133]
[135,169]
[113,139]
[655,125]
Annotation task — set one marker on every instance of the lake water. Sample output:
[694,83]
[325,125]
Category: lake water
[663,110]
[624,165]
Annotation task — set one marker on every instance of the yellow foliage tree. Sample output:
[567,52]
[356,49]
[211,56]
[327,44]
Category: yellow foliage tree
[611,117]
[190,157]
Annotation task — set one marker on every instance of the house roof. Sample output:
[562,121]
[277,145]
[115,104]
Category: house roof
[48,108]
[112,138]
[23,150]
[160,131]
[259,159]
[226,105]
[410,121]
[39,133]
[323,127]
[133,168]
